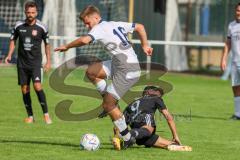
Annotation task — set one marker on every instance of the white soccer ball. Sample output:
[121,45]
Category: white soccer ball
[89,142]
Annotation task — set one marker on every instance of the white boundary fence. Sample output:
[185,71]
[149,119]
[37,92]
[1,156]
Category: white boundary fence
[151,42]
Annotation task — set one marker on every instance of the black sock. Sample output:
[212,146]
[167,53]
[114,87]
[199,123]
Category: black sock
[28,103]
[42,100]
[140,133]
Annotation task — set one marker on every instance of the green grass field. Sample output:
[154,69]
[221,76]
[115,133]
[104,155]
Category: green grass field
[207,100]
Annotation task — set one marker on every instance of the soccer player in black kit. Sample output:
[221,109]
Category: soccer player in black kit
[31,32]
[140,117]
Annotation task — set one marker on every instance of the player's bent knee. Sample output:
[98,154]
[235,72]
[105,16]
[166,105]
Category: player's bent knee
[95,71]
[25,89]
[91,75]
[37,86]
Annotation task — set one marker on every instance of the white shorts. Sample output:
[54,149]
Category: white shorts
[235,74]
[123,75]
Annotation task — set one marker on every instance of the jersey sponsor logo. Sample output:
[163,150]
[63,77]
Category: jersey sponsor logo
[23,30]
[27,45]
[27,40]
[34,32]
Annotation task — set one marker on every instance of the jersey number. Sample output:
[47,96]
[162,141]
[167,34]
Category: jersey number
[121,35]
[135,108]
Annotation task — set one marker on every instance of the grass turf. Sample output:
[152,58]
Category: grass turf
[201,105]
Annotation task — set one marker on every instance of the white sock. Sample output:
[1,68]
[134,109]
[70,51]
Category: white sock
[101,86]
[237,106]
[122,126]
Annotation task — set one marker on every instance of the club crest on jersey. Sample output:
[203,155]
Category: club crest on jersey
[34,32]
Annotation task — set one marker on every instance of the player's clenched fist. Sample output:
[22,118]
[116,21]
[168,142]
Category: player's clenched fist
[148,50]
[8,59]
[62,48]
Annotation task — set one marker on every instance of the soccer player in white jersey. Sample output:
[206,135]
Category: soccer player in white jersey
[123,68]
[233,43]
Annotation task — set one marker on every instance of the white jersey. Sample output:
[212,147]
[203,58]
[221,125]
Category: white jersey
[113,36]
[234,36]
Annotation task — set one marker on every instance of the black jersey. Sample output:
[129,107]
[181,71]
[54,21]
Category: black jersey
[30,40]
[147,105]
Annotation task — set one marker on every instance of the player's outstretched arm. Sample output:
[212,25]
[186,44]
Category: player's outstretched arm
[84,40]
[226,50]
[10,52]
[171,125]
[139,28]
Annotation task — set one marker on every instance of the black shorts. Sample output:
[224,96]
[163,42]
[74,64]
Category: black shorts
[143,120]
[148,141]
[25,75]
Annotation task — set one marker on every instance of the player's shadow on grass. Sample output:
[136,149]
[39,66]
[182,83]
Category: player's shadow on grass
[39,142]
[105,146]
[209,117]
[74,146]
[109,146]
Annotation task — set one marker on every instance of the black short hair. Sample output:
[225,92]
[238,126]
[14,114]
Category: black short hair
[30,4]
[155,88]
